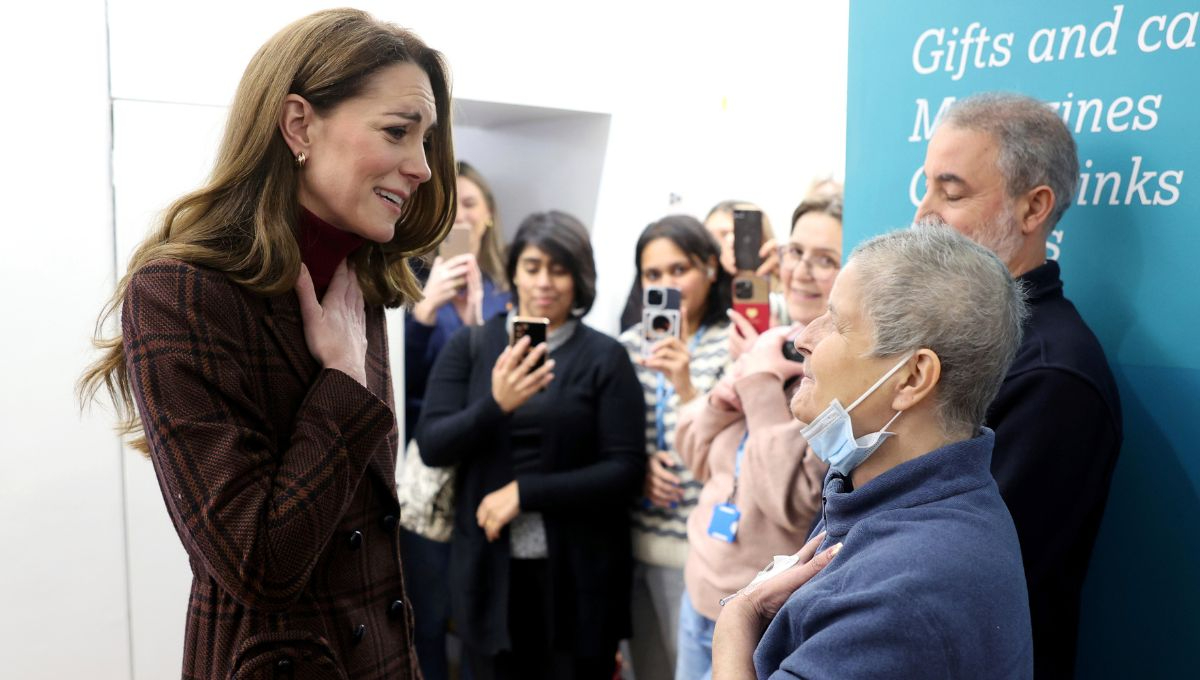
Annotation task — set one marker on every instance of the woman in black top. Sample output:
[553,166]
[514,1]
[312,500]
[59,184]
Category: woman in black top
[540,566]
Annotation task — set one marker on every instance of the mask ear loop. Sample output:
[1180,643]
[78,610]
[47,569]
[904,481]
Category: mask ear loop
[889,423]
[872,388]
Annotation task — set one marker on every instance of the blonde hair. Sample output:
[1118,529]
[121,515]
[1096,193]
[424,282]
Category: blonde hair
[491,248]
[242,222]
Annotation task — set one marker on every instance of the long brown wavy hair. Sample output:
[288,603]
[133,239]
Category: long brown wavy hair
[243,221]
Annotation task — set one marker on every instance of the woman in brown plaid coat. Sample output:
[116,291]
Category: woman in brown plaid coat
[253,344]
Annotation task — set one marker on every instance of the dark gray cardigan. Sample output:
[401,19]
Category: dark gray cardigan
[591,468]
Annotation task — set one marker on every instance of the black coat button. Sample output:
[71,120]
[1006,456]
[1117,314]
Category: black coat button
[356,539]
[283,667]
[389,522]
[360,631]
[396,608]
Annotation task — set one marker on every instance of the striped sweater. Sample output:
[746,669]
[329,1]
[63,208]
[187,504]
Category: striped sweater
[660,534]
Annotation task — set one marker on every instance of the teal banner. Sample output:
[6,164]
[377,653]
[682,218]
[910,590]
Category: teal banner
[1126,80]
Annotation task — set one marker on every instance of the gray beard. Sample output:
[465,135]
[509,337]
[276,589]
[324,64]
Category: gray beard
[1002,235]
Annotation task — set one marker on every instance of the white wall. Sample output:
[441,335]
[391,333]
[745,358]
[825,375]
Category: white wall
[709,100]
[564,150]
[704,101]
[62,578]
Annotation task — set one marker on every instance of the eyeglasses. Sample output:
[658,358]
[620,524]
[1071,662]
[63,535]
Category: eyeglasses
[820,265]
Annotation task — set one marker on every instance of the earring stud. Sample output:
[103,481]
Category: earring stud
[300,159]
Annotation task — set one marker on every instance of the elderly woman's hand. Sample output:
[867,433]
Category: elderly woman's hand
[335,329]
[744,618]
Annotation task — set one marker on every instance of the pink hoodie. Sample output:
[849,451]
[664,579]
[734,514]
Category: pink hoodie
[779,490]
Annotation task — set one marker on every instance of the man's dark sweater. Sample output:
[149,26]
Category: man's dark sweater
[928,583]
[1057,419]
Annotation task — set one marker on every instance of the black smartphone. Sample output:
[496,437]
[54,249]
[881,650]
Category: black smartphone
[791,353]
[533,326]
[747,239]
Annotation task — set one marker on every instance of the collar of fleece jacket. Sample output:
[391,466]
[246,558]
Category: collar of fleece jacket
[949,471]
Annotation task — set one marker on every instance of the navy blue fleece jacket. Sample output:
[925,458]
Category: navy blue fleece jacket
[928,583]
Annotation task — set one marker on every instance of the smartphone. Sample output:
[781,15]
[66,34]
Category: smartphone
[791,353]
[661,315]
[751,299]
[457,242]
[533,326]
[747,239]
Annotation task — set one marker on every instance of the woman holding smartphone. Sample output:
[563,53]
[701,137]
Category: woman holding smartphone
[675,252]
[460,289]
[540,554]
[465,285]
[742,442]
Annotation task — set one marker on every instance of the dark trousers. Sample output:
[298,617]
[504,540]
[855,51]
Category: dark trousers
[426,566]
[529,624]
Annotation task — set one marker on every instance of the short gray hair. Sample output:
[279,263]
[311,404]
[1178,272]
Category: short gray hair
[931,287]
[1035,145]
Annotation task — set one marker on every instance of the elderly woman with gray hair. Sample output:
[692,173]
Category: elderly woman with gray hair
[914,569]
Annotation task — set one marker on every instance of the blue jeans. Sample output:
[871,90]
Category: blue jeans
[656,593]
[695,643]
[426,564]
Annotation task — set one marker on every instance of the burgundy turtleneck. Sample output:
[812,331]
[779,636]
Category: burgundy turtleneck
[323,247]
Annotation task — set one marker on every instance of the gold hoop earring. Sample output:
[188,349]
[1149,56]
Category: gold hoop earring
[300,159]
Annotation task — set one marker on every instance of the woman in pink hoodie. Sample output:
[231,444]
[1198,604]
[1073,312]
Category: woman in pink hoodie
[762,487]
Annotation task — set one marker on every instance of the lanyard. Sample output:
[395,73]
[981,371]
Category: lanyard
[737,466]
[663,393]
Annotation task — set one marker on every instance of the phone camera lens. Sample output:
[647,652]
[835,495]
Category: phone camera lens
[661,323]
[654,298]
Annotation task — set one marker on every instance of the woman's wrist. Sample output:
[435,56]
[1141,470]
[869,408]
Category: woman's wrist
[686,392]
[424,313]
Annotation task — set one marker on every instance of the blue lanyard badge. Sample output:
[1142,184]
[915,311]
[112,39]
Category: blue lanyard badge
[724,523]
[663,392]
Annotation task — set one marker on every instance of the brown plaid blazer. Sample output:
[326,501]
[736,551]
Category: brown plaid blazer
[278,476]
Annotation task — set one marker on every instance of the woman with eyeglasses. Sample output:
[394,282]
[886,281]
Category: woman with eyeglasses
[762,487]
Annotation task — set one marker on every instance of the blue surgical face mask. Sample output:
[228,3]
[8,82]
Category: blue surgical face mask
[831,434]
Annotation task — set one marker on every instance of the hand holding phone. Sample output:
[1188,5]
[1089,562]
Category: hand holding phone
[446,279]
[769,355]
[522,369]
[533,327]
